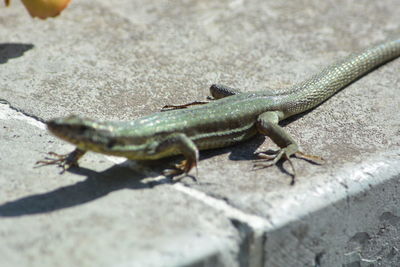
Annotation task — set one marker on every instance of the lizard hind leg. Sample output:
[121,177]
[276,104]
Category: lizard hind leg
[310,158]
[267,124]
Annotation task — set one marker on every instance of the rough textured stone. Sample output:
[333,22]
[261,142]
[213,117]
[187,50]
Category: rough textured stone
[123,60]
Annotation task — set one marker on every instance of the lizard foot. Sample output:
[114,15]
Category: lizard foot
[181,170]
[284,154]
[65,161]
[273,160]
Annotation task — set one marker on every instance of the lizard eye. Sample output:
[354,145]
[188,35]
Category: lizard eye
[111,143]
[81,128]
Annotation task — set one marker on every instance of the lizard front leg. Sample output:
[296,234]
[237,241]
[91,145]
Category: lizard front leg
[172,107]
[267,124]
[179,142]
[217,91]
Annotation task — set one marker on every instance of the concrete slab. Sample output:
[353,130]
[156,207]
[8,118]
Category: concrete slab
[123,61]
[98,217]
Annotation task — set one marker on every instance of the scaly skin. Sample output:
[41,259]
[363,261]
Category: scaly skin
[318,88]
[232,118]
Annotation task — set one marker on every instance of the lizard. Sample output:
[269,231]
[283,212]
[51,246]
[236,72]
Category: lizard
[232,117]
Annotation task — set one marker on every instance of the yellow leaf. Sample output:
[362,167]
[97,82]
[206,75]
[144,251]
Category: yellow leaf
[44,8]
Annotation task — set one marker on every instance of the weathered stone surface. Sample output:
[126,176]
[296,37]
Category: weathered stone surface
[121,61]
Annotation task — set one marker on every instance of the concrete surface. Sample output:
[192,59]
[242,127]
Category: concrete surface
[121,61]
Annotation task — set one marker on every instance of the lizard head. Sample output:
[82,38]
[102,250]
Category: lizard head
[79,131]
[101,136]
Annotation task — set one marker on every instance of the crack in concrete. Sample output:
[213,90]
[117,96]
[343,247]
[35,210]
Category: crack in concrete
[17,113]
[6,102]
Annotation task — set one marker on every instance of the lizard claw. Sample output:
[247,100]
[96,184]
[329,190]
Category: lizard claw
[268,160]
[55,159]
[181,170]
[64,161]
[273,160]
